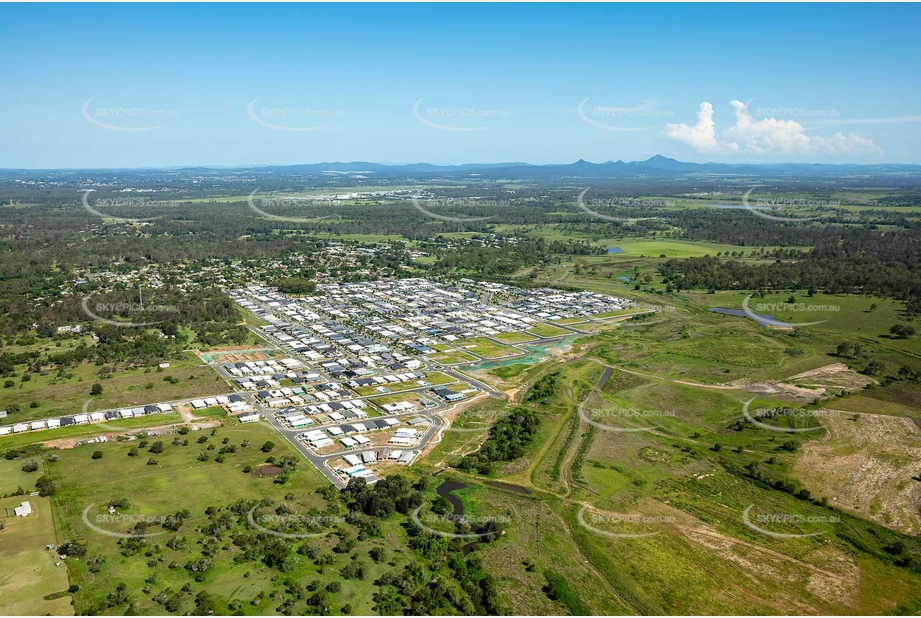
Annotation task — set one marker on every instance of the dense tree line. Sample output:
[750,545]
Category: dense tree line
[508,439]
[856,261]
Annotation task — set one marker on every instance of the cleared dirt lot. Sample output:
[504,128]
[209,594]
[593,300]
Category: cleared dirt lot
[867,466]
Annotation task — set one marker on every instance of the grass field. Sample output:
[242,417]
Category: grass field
[58,396]
[212,412]
[12,477]
[88,431]
[453,357]
[670,248]
[27,570]
[514,337]
[545,330]
[686,472]
[482,346]
[151,491]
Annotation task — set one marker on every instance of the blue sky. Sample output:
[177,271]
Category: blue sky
[109,85]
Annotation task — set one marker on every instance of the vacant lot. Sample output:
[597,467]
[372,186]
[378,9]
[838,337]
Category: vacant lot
[545,330]
[868,466]
[453,357]
[486,348]
[27,571]
[515,337]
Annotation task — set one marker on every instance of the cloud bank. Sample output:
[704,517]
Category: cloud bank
[767,136]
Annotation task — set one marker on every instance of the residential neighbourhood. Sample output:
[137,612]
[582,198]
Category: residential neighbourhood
[355,370]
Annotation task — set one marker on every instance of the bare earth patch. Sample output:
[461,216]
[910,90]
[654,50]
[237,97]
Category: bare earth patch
[268,471]
[813,384]
[866,466]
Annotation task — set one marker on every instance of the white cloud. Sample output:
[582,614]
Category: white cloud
[701,136]
[767,136]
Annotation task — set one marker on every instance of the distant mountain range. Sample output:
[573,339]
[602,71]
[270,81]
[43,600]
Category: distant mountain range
[657,166]
[654,166]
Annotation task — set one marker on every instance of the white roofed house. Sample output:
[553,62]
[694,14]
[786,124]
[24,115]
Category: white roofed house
[23,510]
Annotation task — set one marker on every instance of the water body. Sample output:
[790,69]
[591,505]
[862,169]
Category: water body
[515,488]
[536,353]
[741,314]
[445,490]
[615,250]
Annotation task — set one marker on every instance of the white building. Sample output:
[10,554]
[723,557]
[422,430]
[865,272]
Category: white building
[23,510]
